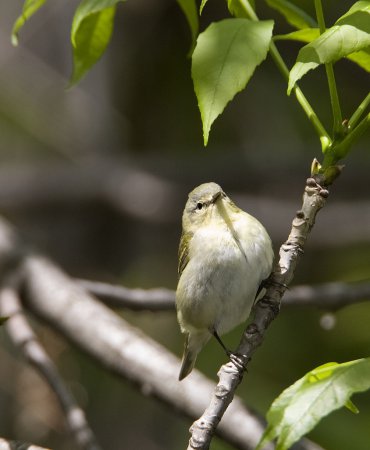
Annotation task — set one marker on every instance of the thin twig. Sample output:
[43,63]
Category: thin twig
[265,312]
[328,296]
[24,338]
[283,69]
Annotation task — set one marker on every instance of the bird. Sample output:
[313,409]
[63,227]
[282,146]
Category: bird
[225,254]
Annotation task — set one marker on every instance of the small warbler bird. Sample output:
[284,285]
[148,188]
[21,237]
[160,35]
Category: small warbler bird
[224,256]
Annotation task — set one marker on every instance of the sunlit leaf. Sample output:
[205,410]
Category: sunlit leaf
[361,58]
[300,407]
[190,10]
[92,29]
[304,35]
[224,59]
[294,15]
[29,8]
[350,34]
[357,13]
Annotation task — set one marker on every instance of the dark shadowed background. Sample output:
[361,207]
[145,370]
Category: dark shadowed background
[96,178]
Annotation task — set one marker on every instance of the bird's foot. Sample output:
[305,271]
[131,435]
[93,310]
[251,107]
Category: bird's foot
[238,360]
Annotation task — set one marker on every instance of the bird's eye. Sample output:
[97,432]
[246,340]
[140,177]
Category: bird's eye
[199,206]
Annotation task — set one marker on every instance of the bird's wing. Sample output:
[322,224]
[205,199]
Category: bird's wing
[184,252]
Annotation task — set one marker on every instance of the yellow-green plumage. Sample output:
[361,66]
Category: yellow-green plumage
[224,255]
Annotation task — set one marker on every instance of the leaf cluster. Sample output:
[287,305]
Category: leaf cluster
[227,53]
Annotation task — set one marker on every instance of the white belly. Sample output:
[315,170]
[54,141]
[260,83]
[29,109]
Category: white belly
[218,286]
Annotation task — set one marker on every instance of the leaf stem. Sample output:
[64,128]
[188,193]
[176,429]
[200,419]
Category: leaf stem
[341,150]
[353,136]
[338,128]
[282,67]
[301,98]
[359,111]
[320,16]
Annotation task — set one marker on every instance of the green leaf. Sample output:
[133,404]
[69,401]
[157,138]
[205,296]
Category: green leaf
[300,407]
[224,59]
[3,320]
[304,35]
[239,8]
[350,34]
[202,5]
[294,15]
[352,407]
[29,8]
[190,10]
[361,58]
[357,12]
[92,29]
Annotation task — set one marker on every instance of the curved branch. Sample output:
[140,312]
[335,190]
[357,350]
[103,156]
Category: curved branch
[23,337]
[265,312]
[328,296]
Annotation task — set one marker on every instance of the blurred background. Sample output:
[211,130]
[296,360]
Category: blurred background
[96,178]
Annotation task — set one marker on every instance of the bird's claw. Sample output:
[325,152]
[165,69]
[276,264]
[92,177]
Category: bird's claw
[238,360]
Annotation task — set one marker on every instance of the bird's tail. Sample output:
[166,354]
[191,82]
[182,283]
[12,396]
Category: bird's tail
[194,342]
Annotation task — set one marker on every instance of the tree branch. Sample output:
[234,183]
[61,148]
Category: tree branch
[328,296]
[24,338]
[266,310]
[156,299]
[16,445]
[121,348]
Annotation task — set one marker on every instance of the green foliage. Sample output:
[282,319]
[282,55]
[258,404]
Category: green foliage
[351,33]
[304,35]
[239,8]
[293,14]
[189,8]
[300,407]
[29,8]
[202,5]
[220,69]
[361,58]
[224,59]
[91,32]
